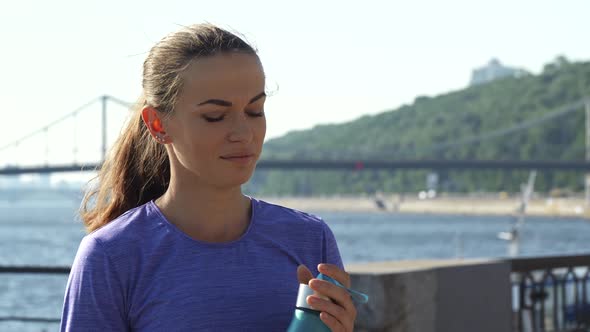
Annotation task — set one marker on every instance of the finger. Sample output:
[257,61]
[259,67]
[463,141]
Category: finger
[337,294]
[332,323]
[304,275]
[342,316]
[335,272]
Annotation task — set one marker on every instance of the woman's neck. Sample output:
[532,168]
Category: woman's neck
[206,213]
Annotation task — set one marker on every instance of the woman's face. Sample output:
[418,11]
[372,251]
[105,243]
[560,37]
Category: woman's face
[218,126]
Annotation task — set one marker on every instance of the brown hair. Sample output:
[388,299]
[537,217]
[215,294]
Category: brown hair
[137,169]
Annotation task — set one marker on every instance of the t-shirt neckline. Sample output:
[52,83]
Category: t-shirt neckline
[175,229]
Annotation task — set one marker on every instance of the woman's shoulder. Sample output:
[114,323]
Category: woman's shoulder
[275,212]
[130,227]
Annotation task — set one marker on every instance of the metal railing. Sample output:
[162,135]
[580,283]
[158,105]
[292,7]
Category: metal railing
[551,294]
[32,270]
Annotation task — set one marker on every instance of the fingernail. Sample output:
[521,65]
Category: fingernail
[314,283]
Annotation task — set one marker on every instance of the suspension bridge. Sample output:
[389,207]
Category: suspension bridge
[74,164]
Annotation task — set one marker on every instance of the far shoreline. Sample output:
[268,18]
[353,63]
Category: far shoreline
[571,207]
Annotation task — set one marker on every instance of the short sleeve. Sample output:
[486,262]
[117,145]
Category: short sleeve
[330,248]
[94,297]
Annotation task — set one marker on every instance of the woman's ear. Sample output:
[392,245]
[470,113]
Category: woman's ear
[152,120]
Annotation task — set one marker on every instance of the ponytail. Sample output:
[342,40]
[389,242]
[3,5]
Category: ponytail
[135,171]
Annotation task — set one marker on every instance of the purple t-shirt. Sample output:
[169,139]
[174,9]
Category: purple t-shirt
[141,273]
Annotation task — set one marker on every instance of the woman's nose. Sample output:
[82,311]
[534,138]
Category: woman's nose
[240,130]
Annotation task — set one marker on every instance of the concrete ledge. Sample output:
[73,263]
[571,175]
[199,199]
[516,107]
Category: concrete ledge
[434,296]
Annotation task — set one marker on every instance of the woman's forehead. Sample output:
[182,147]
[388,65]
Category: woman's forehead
[233,75]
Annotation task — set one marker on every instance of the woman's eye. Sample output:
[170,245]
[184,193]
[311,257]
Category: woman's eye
[213,119]
[256,114]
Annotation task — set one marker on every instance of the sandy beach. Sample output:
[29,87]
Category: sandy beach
[562,207]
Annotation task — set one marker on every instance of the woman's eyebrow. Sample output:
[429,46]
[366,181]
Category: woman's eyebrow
[226,103]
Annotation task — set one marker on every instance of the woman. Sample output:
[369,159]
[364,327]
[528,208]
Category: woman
[174,244]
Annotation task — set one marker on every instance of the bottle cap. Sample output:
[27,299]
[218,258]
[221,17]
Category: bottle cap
[357,297]
[304,292]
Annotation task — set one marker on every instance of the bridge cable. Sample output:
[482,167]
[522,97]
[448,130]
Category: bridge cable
[16,142]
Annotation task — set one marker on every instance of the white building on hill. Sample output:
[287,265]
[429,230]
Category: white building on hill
[492,71]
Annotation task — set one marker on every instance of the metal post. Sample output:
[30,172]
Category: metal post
[587,177]
[104,127]
[75,148]
[46,132]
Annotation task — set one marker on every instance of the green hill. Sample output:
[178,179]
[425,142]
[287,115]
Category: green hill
[440,128]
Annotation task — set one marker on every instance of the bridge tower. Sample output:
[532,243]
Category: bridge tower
[104,100]
[587,177]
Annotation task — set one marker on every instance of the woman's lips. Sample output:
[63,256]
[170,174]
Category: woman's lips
[240,159]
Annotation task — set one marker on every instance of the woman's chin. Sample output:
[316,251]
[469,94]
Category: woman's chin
[236,181]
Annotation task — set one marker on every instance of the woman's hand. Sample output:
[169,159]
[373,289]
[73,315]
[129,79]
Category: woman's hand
[340,313]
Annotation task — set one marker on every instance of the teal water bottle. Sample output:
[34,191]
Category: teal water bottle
[306,318]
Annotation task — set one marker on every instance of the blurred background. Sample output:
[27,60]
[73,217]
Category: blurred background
[417,130]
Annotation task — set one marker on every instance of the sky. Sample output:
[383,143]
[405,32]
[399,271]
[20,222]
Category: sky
[326,61]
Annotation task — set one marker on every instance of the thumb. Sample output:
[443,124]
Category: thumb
[304,274]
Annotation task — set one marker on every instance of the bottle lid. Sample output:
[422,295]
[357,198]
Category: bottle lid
[357,297]
[304,292]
